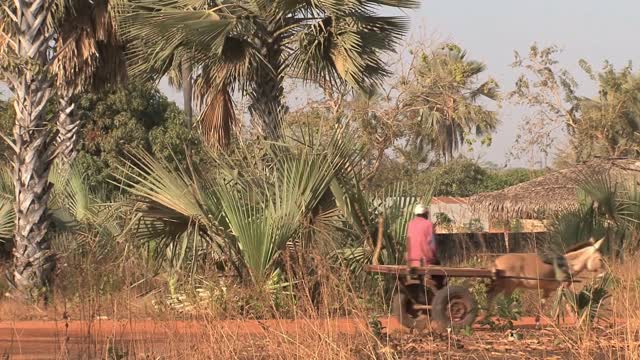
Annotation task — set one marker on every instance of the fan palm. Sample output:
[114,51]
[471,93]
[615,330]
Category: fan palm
[446,98]
[7,215]
[252,45]
[91,57]
[607,207]
[248,210]
[361,211]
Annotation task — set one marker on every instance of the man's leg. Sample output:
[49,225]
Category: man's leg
[438,279]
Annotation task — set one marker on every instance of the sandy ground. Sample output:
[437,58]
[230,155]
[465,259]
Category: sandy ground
[79,339]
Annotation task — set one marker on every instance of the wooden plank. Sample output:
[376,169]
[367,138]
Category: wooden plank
[448,272]
[431,270]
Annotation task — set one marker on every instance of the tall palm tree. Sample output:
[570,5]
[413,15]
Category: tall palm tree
[252,45]
[445,96]
[180,78]
[27,27]
[91,57]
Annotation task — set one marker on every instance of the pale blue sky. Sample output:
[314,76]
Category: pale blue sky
[492,29]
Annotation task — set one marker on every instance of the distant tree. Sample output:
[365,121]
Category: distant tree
[550,92]
[504,178]
[460,177]
[608,124]
[444,96]
[604,125]
[114,121]
[135,117]
[405,128]
[464,177]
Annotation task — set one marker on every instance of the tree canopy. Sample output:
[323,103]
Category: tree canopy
[603,125]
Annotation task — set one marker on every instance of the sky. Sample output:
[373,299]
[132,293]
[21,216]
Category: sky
[491,30]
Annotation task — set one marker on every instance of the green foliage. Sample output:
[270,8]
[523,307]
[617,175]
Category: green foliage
[7,215]
[607,208]
[604,125]
[509,307]
[445,98]
[464,177]
[501,179]
[461,177]
[7,117]
[135,117]
[257,200]
[588,302]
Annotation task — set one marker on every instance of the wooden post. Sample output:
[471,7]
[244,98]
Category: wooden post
[376,252]
[506,240]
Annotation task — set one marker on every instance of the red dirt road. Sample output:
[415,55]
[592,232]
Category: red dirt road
[78,339]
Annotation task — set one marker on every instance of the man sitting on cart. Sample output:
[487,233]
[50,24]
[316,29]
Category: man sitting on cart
[421,244]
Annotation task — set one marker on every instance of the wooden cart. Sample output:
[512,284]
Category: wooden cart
[419,299]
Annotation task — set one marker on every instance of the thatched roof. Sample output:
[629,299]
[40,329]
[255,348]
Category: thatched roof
[551,193]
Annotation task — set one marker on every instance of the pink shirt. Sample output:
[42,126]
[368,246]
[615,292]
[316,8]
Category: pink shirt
[420,244]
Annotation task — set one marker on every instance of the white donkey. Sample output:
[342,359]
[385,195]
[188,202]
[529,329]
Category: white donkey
[512,268]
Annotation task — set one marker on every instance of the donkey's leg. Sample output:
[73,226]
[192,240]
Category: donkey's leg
[494,289]
[543,301]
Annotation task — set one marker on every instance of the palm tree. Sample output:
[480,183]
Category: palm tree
[248,209]
[445,97]
[180,78]
[609,124]
[252,45]
[91,58]
[27,27]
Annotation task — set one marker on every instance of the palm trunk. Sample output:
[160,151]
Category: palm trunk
[267,106]
[68,126]
[187,92]
[33,260]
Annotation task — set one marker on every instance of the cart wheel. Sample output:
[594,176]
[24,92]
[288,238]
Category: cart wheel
[454,306]
[402,306]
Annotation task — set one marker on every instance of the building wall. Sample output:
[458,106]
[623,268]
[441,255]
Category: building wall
[466,220]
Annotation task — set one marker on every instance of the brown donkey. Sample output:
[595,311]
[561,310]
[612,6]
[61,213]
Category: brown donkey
[512,268]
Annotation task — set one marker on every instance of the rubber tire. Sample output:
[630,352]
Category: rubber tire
[401,302]
[440,312]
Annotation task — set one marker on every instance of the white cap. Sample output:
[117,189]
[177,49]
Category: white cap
[419,209]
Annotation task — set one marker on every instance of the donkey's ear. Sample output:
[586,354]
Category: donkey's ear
[598,244]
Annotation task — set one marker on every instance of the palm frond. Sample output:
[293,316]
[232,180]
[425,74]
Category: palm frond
[91,54]
[7,219]
[601,190]
[158,29]
[7,213]
[218,120]
[157,182]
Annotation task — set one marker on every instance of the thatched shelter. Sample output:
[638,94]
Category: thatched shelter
[551,193]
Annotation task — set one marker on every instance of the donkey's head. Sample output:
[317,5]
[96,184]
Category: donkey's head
[585,256]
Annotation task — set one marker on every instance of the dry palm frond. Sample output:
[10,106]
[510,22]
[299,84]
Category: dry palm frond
[218,119]
[91,53]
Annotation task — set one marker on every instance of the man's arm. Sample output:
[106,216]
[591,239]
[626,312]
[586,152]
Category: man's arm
[432,240]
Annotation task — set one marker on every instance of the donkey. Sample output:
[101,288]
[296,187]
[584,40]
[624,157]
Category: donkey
[512,268]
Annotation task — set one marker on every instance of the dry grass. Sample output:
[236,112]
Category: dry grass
[302,330]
